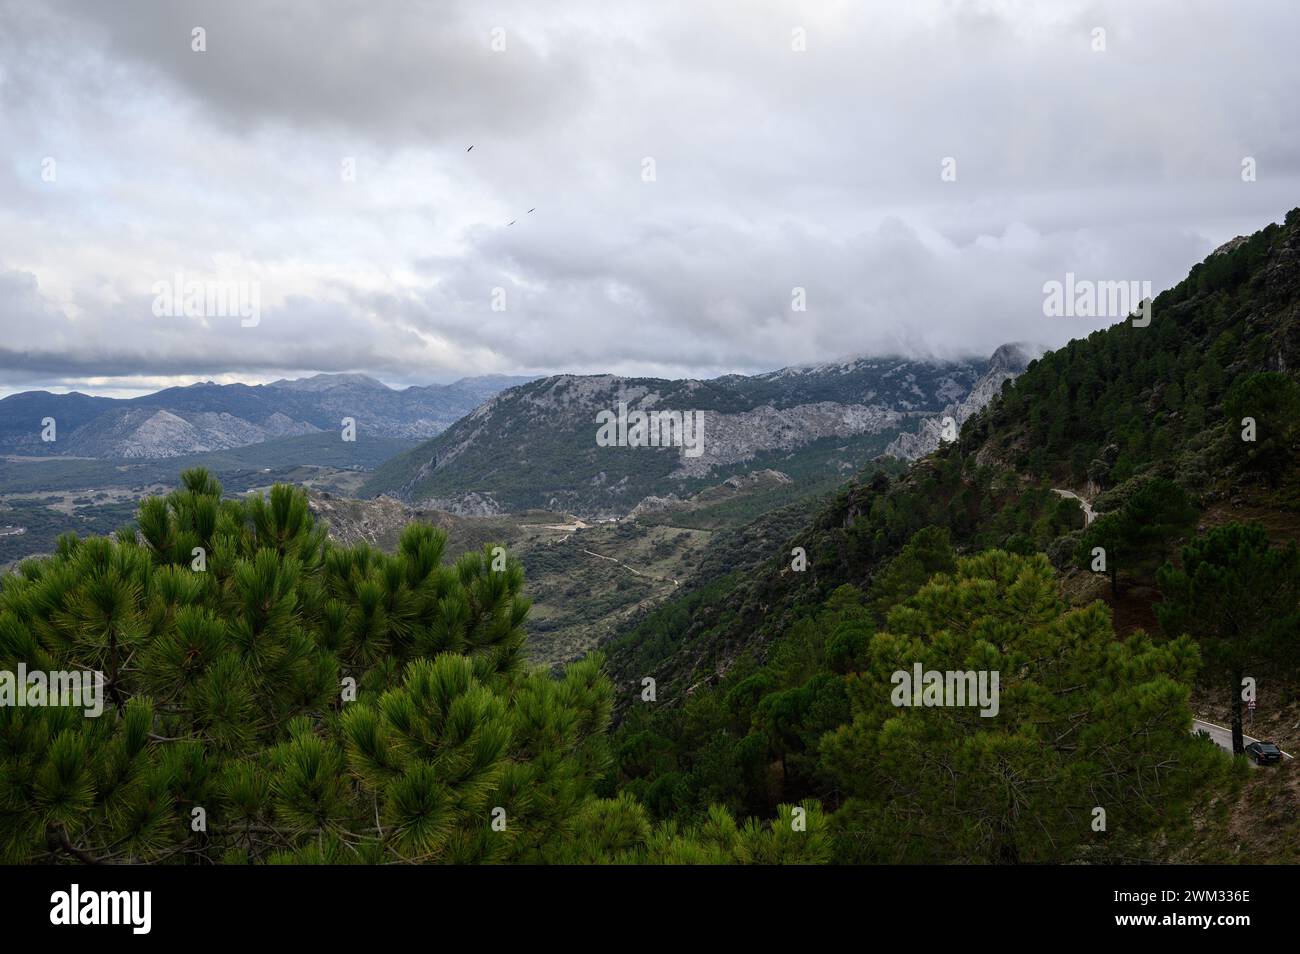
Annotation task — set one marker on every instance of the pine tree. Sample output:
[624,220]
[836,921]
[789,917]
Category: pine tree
[1136,537]
[1240,599]
[231,634]
[1081,716]
[1272,401]
[275,698]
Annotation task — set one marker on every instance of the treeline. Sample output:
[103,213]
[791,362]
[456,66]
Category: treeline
[309,702]
[1128,399]
[768,672]
[271,697]
[1086,721]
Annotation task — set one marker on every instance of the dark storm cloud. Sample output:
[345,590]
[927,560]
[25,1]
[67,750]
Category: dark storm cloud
[394,72]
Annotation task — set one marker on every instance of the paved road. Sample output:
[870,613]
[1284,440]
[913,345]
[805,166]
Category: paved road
[1223,736]
[1088,515]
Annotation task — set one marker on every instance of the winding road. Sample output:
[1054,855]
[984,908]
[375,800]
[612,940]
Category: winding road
[1220,735]
[648,576]
[1223,736]
[1088,515]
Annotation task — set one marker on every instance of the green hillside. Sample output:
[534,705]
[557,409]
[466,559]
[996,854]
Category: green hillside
[760,674]
[534,446]
[330,703]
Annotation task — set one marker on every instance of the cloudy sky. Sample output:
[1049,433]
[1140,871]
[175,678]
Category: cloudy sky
[127,157]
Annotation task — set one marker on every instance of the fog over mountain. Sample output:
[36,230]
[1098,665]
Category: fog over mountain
[323,156]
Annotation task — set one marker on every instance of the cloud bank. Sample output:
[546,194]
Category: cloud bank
[320,148]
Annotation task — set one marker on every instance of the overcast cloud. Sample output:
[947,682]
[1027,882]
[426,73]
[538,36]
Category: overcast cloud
[775,168]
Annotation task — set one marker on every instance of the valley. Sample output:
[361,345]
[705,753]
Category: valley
[590,581]
[653,521]
[901,489]
[48,496]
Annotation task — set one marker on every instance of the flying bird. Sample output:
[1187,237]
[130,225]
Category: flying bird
[511,222]
[471,147]
[532,210]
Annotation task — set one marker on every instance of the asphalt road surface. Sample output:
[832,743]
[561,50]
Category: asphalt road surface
[1088,515]
[1222,736]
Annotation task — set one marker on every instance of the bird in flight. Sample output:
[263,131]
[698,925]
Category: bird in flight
[511,222]
[471,147]
[532,210]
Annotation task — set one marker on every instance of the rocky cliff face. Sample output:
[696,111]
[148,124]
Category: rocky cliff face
[736,438]
[1007,363]
[535,446]
[149,433]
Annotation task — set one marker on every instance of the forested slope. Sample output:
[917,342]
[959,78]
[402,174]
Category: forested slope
[274,697]
[770,685]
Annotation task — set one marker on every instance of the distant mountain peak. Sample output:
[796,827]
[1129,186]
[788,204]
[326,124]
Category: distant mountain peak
[206,416]
[1006,363]
[534,446]
[1015,356]
[323,382]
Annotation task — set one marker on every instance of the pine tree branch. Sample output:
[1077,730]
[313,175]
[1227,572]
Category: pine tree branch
[85,857]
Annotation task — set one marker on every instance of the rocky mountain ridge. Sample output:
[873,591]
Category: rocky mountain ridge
[1007,363]
[536,446]
[210,417]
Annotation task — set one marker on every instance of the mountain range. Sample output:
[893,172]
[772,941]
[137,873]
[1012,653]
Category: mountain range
[771,677]
[516,445]
[535,446]
[210,417]
[1104,414]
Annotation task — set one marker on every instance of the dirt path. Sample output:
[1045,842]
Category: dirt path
[577,524]
[625,566]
